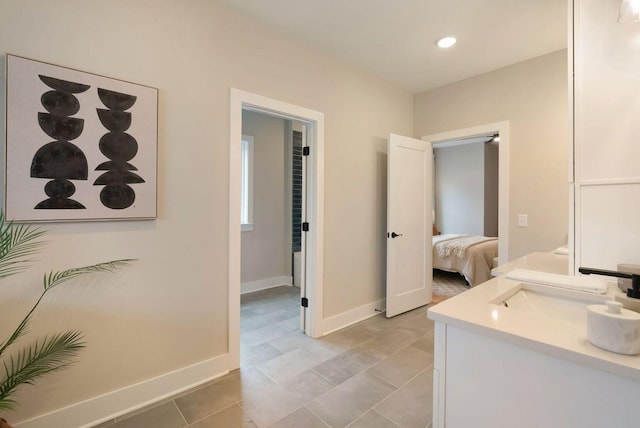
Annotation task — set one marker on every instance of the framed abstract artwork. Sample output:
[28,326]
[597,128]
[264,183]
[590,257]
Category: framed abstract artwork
[79,146]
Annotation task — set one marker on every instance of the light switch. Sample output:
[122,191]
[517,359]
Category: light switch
[523,220]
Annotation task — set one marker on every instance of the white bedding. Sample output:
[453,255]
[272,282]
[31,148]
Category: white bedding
[469,255]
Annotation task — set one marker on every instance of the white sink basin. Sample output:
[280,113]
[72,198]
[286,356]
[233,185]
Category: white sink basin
[557,303]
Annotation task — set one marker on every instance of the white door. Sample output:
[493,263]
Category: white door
[409,219]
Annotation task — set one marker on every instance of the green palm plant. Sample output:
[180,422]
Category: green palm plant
[24,366]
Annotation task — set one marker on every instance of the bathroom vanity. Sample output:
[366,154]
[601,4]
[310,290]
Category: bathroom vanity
[527,363]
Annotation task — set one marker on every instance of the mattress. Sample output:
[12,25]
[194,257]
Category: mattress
[470,255]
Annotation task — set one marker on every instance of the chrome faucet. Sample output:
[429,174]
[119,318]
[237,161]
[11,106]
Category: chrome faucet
[633,292]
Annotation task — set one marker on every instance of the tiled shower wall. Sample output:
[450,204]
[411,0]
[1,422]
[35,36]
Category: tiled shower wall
[296,214]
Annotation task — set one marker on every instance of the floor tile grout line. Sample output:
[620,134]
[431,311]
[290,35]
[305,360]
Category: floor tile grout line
[303,405]
[292,412]
[385,398]
[373,410]
[376,403]
[390,418]
[405,383]
[350,377]
[327,379]
[251,417]
[186,424]
[275,382]
[214,413]
[318,416]
[396,391]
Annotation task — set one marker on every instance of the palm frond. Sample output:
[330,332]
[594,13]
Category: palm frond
[51,354]
[17,244]
[56,278]
[8,404]
[20,331]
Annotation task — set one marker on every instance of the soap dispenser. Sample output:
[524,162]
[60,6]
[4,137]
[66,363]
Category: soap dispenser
[613,328]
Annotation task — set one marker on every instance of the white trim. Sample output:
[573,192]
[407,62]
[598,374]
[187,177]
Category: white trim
[116,403]
[304,313]
[263,284]
[353,316]
[439,374]
[464,141]
[502,128]
[607,182]
[240,100]
[247,182]
[572,240]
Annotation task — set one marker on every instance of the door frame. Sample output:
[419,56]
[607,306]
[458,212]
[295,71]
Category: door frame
[502,128]
[314,120]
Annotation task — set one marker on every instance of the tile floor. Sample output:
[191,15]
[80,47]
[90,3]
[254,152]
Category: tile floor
[377,373]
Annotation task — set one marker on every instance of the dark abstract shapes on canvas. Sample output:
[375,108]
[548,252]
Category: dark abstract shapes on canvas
[115,176]
[117,196]
[59,188]
[60,103]
[106,166]
[119,147]
[60,159]
[60,128]
[59,192]
[63,85]
[116,100]
[115,121]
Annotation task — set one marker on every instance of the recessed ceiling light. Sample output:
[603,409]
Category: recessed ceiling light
[446,42]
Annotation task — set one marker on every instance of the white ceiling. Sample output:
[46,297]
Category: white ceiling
[395,39]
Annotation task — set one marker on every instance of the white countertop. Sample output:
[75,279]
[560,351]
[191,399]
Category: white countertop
[472,310]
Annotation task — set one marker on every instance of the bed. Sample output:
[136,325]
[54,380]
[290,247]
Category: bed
[470,255]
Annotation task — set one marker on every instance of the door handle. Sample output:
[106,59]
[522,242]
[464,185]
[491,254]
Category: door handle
[395,235]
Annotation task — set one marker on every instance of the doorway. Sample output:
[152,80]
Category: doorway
[312,265]
[272,199]
[466,186]
[447,139]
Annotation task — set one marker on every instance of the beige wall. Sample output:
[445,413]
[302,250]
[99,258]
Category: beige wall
[532,96]
[170,310]
[266,250]
[460,189]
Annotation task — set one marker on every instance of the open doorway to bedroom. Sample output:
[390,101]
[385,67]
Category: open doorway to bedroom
[471,197]
[466,185]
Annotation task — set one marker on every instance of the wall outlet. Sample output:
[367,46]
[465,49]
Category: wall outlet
[523,220]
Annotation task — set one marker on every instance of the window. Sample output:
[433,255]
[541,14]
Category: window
[246,193]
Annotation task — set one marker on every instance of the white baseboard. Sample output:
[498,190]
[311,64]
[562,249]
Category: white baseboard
[345,319]
[263,284]
[128,399]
